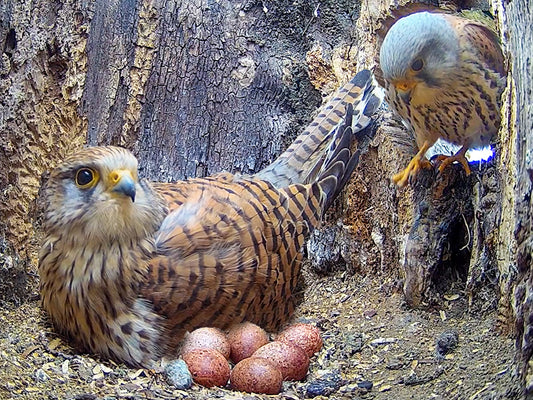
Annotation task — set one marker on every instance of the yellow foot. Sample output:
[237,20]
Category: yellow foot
[459,157]
[418,162]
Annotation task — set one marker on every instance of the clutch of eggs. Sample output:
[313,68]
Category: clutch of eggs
[260,365]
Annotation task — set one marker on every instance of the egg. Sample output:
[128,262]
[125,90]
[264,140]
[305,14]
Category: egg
[206,338]
[245,339]
[302,335]
[291,360]
[208,367]
[256,375]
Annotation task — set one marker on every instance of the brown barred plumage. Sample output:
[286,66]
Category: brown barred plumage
[445,76]
[302,160]
[128,266]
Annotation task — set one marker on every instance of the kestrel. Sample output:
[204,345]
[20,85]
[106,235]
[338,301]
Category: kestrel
[445,76]
[128,266]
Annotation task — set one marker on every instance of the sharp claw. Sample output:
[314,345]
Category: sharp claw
[459,157]
[416,164]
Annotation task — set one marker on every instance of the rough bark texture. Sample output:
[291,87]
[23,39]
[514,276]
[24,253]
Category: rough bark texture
[194,87]
[42,75]
[519,273]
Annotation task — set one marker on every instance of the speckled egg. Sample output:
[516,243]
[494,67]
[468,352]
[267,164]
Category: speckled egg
[291,360]
[256,375]
[302,335]
[206,338]
[208,367]
[245,339]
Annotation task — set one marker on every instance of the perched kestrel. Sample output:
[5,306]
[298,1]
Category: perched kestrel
[445,76]
[128,266]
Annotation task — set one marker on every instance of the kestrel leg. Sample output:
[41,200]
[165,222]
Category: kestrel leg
[418,162]
[459,157]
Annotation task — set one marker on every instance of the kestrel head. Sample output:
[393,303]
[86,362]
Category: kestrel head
[96,192]
[419,52]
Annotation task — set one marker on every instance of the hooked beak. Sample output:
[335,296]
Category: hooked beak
[404,90]
[405,96]
[122,182]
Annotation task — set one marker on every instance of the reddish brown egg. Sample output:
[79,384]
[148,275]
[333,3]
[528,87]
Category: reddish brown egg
[206,338]
[245,339]
[290,359]
[302,335]
[208,367]
[256,375]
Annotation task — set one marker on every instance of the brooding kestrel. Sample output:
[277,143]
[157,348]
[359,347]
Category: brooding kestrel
[128,266]
[445,76]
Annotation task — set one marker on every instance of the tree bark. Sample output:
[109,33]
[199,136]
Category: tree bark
[194,87]
[517,268]
[42,76]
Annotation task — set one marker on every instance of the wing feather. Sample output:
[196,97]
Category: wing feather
[483,40]
[228,252]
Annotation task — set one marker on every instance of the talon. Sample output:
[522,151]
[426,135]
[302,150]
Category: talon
[459,157]
[417,163]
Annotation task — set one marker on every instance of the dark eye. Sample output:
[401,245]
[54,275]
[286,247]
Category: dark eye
[85,177]
[417,65]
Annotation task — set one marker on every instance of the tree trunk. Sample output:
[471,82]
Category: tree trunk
[194,87]
[516,268]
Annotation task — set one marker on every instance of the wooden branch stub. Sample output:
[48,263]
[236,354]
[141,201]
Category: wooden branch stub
[441,205]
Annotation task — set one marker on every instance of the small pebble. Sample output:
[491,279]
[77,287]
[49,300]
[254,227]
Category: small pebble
[367,385]
[178,374]
[446,342]
[324,386]
[86,396]
[352,343]
[41,376]
[412,379]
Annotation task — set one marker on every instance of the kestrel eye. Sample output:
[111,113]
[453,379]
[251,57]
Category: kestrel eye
[417,65]
[86,177]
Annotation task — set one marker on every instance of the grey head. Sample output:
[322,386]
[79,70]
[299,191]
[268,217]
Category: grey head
[420,47]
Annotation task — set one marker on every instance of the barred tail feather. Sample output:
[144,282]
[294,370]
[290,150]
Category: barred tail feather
[339,161]
[305,157]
